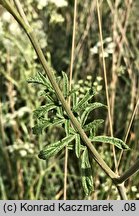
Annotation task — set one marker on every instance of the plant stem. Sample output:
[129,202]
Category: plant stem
[129,127]
[106,83]
[132,170]
[73,46]
[21,12]
[70,81]
[122,191]
[65,172]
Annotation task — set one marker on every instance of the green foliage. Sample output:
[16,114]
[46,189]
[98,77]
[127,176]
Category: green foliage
[40,79]
[52,114]
[77,145]
[86,172]
[54,148]
[84,101]
[89,108]
[65,85]
[111,140]
[93,126]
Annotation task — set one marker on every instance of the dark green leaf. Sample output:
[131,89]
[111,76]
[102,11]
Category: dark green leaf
[54,148]
[83,101]
[67,127]
[74,99]
[65,84]
[40,79]
[87,183]
[111,140]
[38,128]
[57,122]
[77,145]
[85,160]
[47,95]
[93,125]
[86,173]
[89,109]
[74,90]
[43,110]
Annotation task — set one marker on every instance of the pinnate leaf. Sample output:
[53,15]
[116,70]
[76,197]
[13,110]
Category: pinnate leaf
[77,145]
[110,140]
[86,173]
[84,100]
[41,79]
[93,125]
[54,148]
[43,109]
[89,109]
[65,84]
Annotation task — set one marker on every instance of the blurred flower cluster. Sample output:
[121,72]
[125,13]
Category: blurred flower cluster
[21,148]
[109,47]
[83,86]
[58,3]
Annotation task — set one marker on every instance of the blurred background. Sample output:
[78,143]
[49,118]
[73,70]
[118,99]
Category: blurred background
[22,174]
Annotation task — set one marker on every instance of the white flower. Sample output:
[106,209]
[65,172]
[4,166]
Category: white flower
[56,18]
[110,48]
[106,55]
[89,77]
[42,4]
[99,78]
[23,153]
[6,16]
[14,28]
[134,189]
[99,88]
[108,40]
[59,3]
[94,50]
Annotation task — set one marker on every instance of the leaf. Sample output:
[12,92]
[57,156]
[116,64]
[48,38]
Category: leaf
[47,95]
[74,100]
[40,79]
[38,128]
[60,112]
[43,124]
[89,109]
[65,84]
[74,90]
[77,145]
[43,109]
[87,183]
[83,101]
[67,127]
[54,148]
[93,125]
[85,160]
[58,122]
[111,140]
[86,173]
